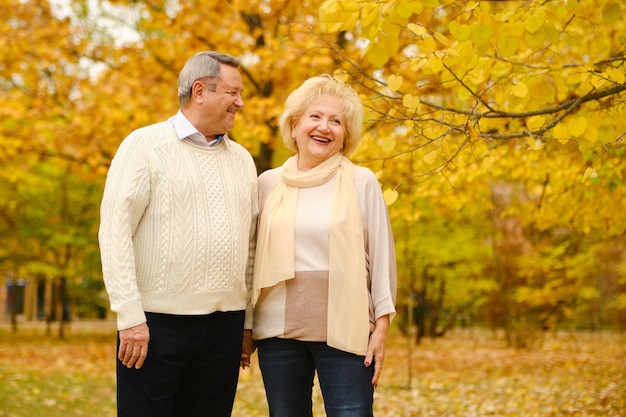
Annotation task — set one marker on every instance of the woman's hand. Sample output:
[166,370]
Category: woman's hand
[376,347]
[248,346]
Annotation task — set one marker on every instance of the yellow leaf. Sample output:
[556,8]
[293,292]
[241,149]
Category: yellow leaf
[390,196]
[611,13]
[535,122]
[561,133]
[371,31]
[500,69]
[441,38]
[431,157]
[402,10]
[410,101]
[394,82]
[388,144]
[328,8]
[341,75]
[471,5]
[435,64]
[331,27]
[350,19]
[507,45]
[574,78]
[369,14]
[376,55]
[552,34]
[429,43]
[616,75]
[573,7]
[481,34]
[535,21]
[542,90]
[390,44]
[597,81]
[534,40]
[338,15]
[417,29]
[516,29]
[520,90]
[393,26]
[329,14]
[534,144]
[591,134]
[416,7]
[589,173]
[460,32]
[576,126]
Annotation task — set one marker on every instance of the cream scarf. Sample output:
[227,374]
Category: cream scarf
[348,297]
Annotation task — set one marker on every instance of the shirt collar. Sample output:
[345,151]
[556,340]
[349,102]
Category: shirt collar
[186,131]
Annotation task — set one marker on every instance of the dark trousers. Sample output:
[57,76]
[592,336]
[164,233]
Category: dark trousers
[191,369]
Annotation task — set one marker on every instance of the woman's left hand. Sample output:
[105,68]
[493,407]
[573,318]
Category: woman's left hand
[376,347]
[248,346]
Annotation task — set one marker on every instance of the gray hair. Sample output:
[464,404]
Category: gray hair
[301,98]
[205,64]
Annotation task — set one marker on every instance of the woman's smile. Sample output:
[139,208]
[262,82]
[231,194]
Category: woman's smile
[319,132]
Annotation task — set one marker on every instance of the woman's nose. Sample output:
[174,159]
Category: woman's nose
[323,125]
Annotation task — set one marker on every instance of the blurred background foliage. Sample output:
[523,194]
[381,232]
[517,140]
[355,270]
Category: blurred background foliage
[496,129]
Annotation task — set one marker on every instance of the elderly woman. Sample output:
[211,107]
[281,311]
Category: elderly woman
[325,271]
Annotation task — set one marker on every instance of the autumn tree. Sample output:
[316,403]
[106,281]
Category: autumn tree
[496,129]
[79,78]
[510,112]
[47,208]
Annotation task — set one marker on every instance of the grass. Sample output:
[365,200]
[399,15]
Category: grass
[467,373]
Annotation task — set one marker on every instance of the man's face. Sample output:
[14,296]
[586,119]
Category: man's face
[219,107]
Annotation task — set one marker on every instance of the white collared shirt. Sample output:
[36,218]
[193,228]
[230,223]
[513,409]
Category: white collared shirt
[186,131]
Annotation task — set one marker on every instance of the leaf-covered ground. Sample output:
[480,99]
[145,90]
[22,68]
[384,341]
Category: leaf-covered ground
[467,373]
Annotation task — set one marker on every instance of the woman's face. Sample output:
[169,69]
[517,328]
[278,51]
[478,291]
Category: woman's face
[319,132]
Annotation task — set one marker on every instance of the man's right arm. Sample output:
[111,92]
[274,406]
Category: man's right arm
[124,202]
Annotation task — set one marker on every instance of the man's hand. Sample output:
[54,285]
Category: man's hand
[134,346]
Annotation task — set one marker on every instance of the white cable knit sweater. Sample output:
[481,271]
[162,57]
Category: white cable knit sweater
[177,227]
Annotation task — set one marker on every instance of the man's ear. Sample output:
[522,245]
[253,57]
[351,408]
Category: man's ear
[197,89]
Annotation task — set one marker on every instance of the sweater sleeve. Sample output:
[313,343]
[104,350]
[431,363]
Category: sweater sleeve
[251,253]
[379,244]
[125,198]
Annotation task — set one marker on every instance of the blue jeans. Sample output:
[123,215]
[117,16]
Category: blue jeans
[288,368]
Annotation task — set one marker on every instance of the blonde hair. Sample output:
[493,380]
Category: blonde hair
[312,88]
